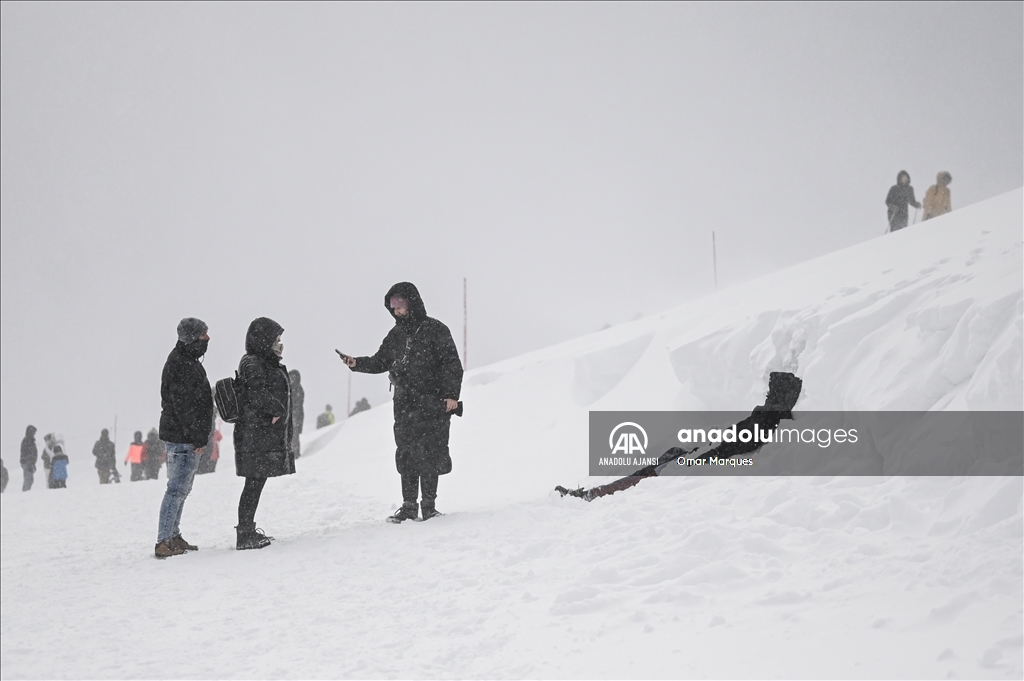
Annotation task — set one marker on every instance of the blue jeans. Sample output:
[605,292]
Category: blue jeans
[182,462]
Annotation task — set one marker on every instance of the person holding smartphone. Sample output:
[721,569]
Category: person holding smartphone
[423,365]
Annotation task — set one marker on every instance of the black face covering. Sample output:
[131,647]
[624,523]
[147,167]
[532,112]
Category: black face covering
[196,349]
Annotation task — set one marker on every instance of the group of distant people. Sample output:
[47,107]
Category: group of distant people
[901,196]
[327,418]
[55,460]
[145,458]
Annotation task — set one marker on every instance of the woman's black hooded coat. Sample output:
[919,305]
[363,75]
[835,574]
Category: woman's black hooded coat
[263,449]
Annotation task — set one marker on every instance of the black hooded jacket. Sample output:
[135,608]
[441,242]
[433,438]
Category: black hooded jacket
[418,353]
[262,447]
[423,364]
[897,199]
[29,451]
[186,415]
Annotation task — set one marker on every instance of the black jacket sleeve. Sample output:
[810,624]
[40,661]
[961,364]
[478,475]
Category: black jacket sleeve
[385,356]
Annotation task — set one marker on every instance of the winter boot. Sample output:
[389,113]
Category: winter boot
[179,542]
[166,549]
[408,511]
[430,512]
[248,538]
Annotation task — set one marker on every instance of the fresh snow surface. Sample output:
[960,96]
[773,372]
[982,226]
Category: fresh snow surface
[753,577]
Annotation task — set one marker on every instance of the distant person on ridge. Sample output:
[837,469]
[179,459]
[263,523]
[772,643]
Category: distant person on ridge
[29,458]
[135,457]
[263,431]
[423,364]
[153,457]
[325,419]
[186,419]
[362,404]
[298,410]
[106,458]
[936,199]
[900,195]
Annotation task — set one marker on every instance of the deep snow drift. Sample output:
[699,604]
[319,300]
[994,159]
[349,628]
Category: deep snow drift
[722,577]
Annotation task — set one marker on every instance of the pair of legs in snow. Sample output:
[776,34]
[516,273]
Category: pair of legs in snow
[182,464]
[411,485]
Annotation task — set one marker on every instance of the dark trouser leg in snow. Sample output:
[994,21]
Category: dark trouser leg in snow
[137,472]
[412,484]
[30,475]
[249,501]
[248,536]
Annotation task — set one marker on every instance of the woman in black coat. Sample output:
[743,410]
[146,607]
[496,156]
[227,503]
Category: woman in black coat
[263,432]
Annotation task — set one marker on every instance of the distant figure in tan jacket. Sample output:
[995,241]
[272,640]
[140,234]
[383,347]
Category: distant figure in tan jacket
[936,199]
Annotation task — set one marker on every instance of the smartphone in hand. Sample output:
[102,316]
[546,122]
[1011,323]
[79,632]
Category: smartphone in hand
[349,361]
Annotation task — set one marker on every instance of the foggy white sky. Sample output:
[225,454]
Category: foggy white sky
[230,161]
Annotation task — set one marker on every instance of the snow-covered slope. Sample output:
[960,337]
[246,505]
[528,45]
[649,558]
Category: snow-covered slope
[730,577]
[926,318]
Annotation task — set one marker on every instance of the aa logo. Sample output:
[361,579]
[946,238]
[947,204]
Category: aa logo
[629,439]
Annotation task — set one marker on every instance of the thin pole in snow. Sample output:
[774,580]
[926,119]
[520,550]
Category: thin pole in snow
[714,258]
[348,407]
[465,327]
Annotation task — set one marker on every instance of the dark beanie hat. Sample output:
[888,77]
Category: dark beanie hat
[190,329]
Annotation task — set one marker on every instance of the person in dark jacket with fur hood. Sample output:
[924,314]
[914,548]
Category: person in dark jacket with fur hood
[423,364]
[186,419]
[900,195]
[263,431]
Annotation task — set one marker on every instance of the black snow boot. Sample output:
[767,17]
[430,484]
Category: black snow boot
[408,511]
[248,537]
[430,512]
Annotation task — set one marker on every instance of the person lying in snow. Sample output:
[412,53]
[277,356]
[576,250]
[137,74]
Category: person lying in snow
[783,392]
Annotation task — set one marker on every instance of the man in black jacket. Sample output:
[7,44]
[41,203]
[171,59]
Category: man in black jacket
[29,457]
[423,364]
[186,419]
